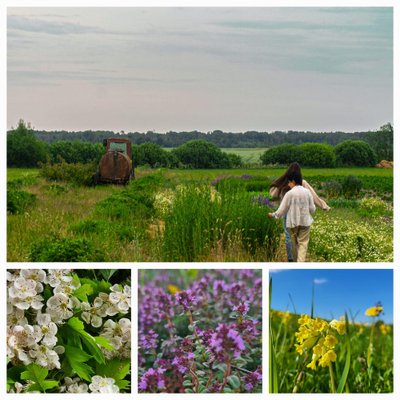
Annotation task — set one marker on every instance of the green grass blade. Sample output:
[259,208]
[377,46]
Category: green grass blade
[345,373]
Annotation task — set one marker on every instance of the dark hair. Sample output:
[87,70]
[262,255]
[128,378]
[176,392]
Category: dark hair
[281,183]
[295,176]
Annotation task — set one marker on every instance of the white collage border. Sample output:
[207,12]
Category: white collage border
[4,4]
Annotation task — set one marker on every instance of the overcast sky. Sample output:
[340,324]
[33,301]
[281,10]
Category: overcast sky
[234,69]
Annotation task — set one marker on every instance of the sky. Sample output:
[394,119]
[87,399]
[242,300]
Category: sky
[335,291]
[184,69]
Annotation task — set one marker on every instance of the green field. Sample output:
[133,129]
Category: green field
[137,222]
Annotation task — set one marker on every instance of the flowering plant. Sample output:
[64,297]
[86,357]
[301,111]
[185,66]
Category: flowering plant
[68,331]
[200,331]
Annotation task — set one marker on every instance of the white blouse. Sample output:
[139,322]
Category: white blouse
[298,205]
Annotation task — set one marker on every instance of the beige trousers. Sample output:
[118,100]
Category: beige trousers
[300,236]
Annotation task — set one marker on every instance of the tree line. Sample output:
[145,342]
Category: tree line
[26,149]
[381,138]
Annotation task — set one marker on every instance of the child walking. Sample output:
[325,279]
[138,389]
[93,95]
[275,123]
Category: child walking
[297,205]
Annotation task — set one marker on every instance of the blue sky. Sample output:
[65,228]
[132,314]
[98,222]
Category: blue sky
[335,291]
[234,69]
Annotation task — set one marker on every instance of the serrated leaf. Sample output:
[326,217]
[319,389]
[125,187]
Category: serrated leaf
[37,375]
[83,292]
[77,326]
[107,273]
[116,369]
[122,384]
[103,342]
[76,359]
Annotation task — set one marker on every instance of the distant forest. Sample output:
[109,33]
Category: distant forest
[221,139]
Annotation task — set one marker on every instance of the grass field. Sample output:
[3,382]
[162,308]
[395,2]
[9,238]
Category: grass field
[112,223]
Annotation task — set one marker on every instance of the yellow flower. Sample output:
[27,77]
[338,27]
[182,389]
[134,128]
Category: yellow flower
[385,329]
[330,341]
[327,358]
[173,289]
[373,311]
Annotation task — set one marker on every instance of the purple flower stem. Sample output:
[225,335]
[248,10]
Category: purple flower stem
[227,373]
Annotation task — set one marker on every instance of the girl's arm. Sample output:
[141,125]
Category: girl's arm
[317,200]
[283,208]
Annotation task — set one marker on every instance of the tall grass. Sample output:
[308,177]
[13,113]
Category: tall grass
[202,219]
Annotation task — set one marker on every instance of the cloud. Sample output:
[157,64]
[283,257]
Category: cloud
[320,281]
[26,24]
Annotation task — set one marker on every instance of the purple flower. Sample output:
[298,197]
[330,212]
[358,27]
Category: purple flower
[186,299]
[242,308]
[246,177]
[225,342]
[251,380]
[261,200]
[183,362]
[152,380]
[149,340]
[219,287]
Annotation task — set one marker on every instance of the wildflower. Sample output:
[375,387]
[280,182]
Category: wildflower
[242,308]
[183,362]
[119,336]
[340,326]
[252,379]
[74,385]
[225,342]
[316,334]
[102,384]
[186,299]
[46,356]
[374,311]
[152,380]
[60,307]
[149,340]
[121,298]
[46,330]
[57,276]
[91,314]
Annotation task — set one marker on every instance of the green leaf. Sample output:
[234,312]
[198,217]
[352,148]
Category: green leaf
[346,369]
[82,292]
[116,369]
[76,359]
[103,342]
[88,340]
[233,381]
[37,375]
[107,273]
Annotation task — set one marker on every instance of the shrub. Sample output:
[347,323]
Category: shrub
[373,207]
[283,154]
[76,152]
[333,189]
[19,200]
[64,249]
[351,186]
[151,154]
[355,153]
[317,155]
[202,154]
[77,174]
[23,149]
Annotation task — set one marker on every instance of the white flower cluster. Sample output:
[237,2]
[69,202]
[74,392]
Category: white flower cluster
[33,323]
[119,336]
[107,305]
[35,340]
[99,384]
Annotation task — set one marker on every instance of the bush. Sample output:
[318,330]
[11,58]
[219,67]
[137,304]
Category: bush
[351,186]
[373,207]
[317,155]
[151,154]
[78,174]
[19,200]
[333,189]
[355,153]
[76,152]
[56,249]
[23,149]
[283,154]
[202,154]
